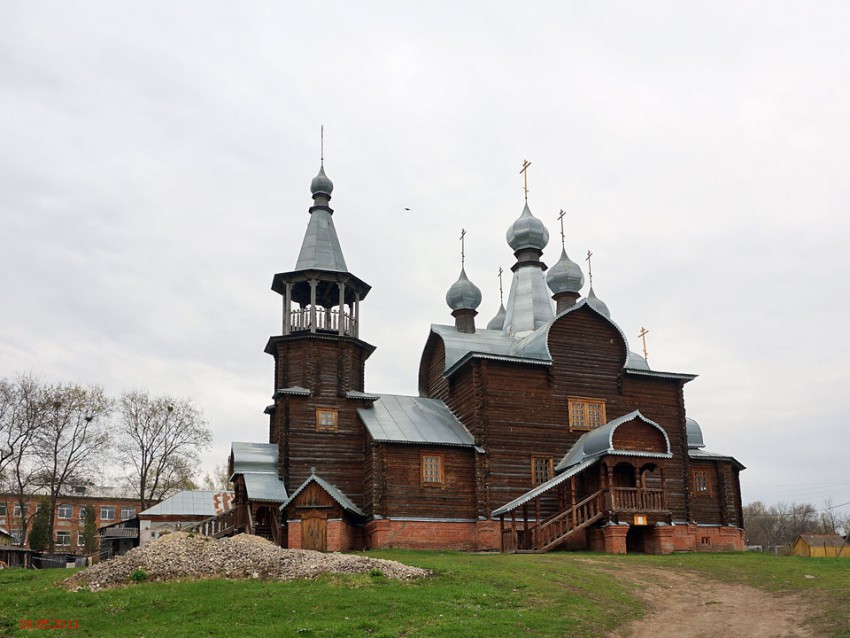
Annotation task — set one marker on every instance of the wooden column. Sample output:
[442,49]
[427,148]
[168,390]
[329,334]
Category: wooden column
[313,283]
[287,309]
[639,492]
[356,328]
[573,500]
[341,309]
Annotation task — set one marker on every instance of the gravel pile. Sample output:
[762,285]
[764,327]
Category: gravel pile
[181,556]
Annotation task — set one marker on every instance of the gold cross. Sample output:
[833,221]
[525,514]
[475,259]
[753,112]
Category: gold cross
[501,297]
[642,335]
[589,267]
[462,247]
[525,165]
[561,219]
[322,135]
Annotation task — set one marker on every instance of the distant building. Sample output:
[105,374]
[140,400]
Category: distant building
[541,430]
[821,546]
[110,505]
[180,511]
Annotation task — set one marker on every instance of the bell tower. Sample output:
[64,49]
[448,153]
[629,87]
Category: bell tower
[319,357]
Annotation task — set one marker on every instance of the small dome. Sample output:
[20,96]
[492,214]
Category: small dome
[321,184]
[636,362]
[463,295]
[498,322]
[694,432]
[597,304]
[527,232]
[565,276]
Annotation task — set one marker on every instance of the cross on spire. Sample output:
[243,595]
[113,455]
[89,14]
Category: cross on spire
[501,297]
[561,219]
[589,267]
[524,171]
[322,145]
[462,247]
[642,335]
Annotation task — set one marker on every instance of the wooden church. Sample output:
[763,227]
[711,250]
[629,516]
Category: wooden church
[540,430]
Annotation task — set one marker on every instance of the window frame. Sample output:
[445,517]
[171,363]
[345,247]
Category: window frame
[324,427]
[125,510]
[3,508]
[585,403]
[426,472]
[103,509]
[59,509]
[66,533]
[549,460]
[701,488]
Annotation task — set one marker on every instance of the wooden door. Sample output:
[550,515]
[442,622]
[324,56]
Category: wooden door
[314,531]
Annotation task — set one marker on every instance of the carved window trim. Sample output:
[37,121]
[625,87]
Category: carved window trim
[542,468]
[585,414]
[432,469]
[327,419]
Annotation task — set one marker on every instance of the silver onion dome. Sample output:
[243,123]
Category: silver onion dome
[321,184]
[565,275]
[597,304]
[527,232]
[497,322]
[463,295]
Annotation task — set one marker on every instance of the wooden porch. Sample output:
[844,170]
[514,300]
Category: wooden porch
[528,529]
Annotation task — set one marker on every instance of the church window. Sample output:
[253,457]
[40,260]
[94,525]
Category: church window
[327,419]
[586,414]
[542,469]
[702,483]
[432,469]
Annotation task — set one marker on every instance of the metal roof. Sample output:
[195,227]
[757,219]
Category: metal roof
[402,419]
[600,441]
[187,503]
[543,487]
[694,433]
[320,249]
[354,394]
[254,457]
[258,465]
[295,390]
[529,305]
[264,487]
[332,490]
[705,455]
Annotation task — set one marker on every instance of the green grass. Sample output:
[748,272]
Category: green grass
[470,596]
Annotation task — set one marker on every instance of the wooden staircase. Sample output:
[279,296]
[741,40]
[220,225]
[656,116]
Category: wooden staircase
[558,528]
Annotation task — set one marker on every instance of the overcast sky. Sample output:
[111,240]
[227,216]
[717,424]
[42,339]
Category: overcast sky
[155,162]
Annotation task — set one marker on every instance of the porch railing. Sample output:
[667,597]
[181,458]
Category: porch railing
[632,498]
[555,529]
[216,526]
[326,319]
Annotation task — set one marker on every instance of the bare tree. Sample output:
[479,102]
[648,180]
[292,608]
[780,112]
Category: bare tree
[218,479]
[159,440]
[23,400]
[70,439]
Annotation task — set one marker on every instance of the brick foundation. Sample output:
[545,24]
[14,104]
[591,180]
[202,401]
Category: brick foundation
[471,536]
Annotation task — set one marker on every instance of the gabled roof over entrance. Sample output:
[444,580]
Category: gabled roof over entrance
[333,491]
[401,419]
[544,487]
[600,442]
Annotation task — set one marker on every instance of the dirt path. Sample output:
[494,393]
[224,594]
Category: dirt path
[684,604]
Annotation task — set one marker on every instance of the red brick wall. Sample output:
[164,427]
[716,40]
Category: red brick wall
[472,536]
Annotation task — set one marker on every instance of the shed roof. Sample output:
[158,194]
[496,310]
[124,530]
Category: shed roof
[543,487]
[402,419]
[258,465]
[705,455]
[187,503]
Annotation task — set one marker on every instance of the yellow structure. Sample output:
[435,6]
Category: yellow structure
[821,546]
